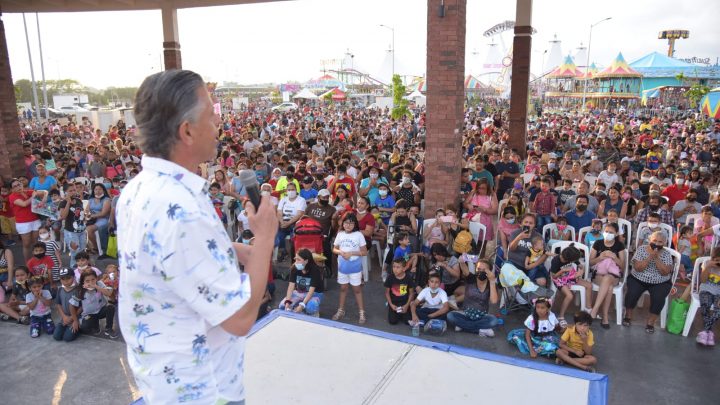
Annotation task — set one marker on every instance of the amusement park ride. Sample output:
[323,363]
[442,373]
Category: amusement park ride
[672,36]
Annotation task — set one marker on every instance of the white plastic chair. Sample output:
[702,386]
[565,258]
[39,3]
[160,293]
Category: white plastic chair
[582,232]
[624,225]
[558,247]
[694,294]
[378,250]
[692,218]
[475,229]
[501,206]
[676,269]
[528,177]
[618,289]
[591,179]
[547,228]
[668,229]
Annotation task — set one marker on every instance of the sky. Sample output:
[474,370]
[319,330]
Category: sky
[286,41]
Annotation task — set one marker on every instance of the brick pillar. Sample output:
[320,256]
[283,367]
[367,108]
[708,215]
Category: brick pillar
[522,45]
[445,103]
[171,54]
[11,157]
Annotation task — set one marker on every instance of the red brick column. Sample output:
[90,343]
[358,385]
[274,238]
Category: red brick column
[522,44]
[445,103]
[171,52]
[11,160]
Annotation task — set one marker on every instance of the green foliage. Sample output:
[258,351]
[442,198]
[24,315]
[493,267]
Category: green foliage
[696,93]
[400,105]
[680,77]
[328,97]
[23,92]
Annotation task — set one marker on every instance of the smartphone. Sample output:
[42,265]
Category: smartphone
[446,219]
[526,228]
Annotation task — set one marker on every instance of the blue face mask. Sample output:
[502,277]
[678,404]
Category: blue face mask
[300,266]
[108,186]
[246,241]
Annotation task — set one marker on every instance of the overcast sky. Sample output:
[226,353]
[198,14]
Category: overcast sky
[283,41]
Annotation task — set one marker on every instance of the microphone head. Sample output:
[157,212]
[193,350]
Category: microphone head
[248,178]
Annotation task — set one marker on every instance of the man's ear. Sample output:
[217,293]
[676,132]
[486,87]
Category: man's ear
[185,133]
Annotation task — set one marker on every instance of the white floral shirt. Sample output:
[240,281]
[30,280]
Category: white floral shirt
[179,280]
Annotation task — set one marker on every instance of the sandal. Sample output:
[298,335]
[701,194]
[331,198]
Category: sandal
[4,317]
[626,322]
[340,314]
[605,325]
[25,320]
[649,328]
[563,323]
[362,319]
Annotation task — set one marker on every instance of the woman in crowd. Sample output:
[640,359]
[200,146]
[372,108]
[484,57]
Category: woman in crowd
[607,260]
[97,214]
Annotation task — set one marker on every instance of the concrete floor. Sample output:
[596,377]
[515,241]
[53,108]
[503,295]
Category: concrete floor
[658,369]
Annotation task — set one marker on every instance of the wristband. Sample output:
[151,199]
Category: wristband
[302,304]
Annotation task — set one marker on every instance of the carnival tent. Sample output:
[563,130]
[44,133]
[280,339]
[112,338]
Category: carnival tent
[337,94]
[590,73]
[415,95]
[566,70]
[325,82]
[661,70]
[305,94]
[710,104]
[618,68]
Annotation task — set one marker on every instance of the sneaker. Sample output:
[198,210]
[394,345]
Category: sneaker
[702,338]
[486,333]
[111,333]
[710,338]
[4,317]
[34,332]
[458,329]
[384,275]
[25,320]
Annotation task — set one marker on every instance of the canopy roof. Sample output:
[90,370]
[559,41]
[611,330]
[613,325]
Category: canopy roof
[590,72]
[619,68]
[658,60]
[55,6]
[710,104]
[337,94]
[306,94]
[566,70]
[415,94]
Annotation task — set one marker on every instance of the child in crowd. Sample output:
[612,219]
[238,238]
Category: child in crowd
[16,307]
[403,250]
[40,265]
[653,224]
[560,231]
[684,247]
[538,337]
[218,199]
[110,279]
[39,301]
[380,230]
[565,274]
[82,260]
[7,218]
[544,204]
[52,250]
[431,303]
[385,203]
[67,302]
[535,261]
[399,292]
[594,234]
[613,218]
[55,226]
[349,246]
[709,298]
[307,191]
[576,344]
[566,192]
[94,301]
[305,286]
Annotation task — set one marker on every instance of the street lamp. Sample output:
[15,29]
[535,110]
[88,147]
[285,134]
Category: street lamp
[587,62]
[393,46]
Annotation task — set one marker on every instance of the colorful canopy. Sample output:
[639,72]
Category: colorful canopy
[472,83]
[590,72]
[305,94]
[566,70]
[420,85]
[325,81]
[710,104]
[337,94]
[619,68]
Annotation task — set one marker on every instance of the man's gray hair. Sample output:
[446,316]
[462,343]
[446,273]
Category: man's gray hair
[163,102]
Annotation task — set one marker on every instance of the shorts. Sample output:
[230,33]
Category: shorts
[7,225]
[538,272]
[27,227]
[354,279]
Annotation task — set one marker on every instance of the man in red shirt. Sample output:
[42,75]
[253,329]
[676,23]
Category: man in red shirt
[676,192]
[40,264]
[340,178]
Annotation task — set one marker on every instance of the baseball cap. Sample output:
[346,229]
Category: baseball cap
[323,193]
[64,272]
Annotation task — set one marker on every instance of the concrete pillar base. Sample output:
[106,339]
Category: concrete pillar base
[171,53]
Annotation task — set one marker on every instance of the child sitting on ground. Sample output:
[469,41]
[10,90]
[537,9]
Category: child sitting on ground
[17,308]
[40,265]
[93,294]
[39,302]
[594,234]
[538,337]
[67,303]
[399,292]
[431,303]
[576,344]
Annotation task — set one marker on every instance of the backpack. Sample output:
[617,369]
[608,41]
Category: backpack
[463,242]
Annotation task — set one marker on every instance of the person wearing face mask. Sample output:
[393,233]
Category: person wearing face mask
[582,189]
[72,214]
[609,177]
[595,166]
[369,185]
[652,268]
[305,286]
[341,178]
[324,213]
[83,263]
[687,206]
[290,209]
[607,259]
[581,216]
[676,192]
[407,190]
[282,183]
[480,292]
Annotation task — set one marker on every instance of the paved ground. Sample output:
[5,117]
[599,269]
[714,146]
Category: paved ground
[658,369]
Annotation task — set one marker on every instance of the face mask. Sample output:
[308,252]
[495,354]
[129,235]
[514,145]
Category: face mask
[654,246]
[644,179]
[292,194]
[626,196]
[246,241]
[324,202]
[44,236]
[482,276]
[39,255]
[406,180]
[361,212]
[691,199]
[654,192]
[551,166]
[510,221]
[561,227]
[434,290]
[469,179]
[581,207]
[83,267]
[300,266]
[595,231]
[373,175]
[341,177]
[608,236]
[264,193]
[611,170]
[652,225]
[680,182]
[382,193]
[593,157]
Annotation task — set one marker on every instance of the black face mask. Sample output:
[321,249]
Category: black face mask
[653,207]
[324,203]
[655,246]
[581,207]
[691,199]
[39,255]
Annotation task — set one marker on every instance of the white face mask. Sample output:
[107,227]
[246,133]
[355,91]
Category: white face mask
[382,193]
[593,157]
[608,236]
[373,175]
[341,177]
[44,236]
[264,192]
[652,225]
[82,267]
[406,180]
[680,182]
[469,178]
[292,194]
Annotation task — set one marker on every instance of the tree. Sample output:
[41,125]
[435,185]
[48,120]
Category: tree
[680,77]
[696,93]
[400,105]
[23,91]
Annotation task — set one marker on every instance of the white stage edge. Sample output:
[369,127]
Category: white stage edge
[297,359]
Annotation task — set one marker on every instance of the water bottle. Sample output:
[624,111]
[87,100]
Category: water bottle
[416,330]
[500,321]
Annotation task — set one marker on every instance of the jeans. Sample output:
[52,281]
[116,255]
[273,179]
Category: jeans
[395,317]
[311,308]
[282,233]
[80,239]
[687,262]
[543,220]
[424,314]
[458,318]
[91,323]
[64,332]
[43,321]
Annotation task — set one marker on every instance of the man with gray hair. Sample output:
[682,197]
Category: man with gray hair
[185,305]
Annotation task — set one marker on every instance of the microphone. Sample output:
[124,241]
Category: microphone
[249,180]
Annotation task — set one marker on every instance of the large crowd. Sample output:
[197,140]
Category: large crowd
[606,205]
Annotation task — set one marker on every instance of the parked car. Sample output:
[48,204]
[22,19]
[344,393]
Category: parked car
[53,113]
[72,109]
[285,107]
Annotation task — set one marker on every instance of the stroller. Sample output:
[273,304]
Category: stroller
[308,235]
[518,290]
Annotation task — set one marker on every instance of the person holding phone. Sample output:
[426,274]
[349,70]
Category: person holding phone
[519,248]
[480,292]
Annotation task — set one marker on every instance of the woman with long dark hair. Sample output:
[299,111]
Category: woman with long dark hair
[305,287]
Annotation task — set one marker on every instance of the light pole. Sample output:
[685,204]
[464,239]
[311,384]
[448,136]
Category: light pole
[32,72]
[587,62]
[42,71]
[393,46]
